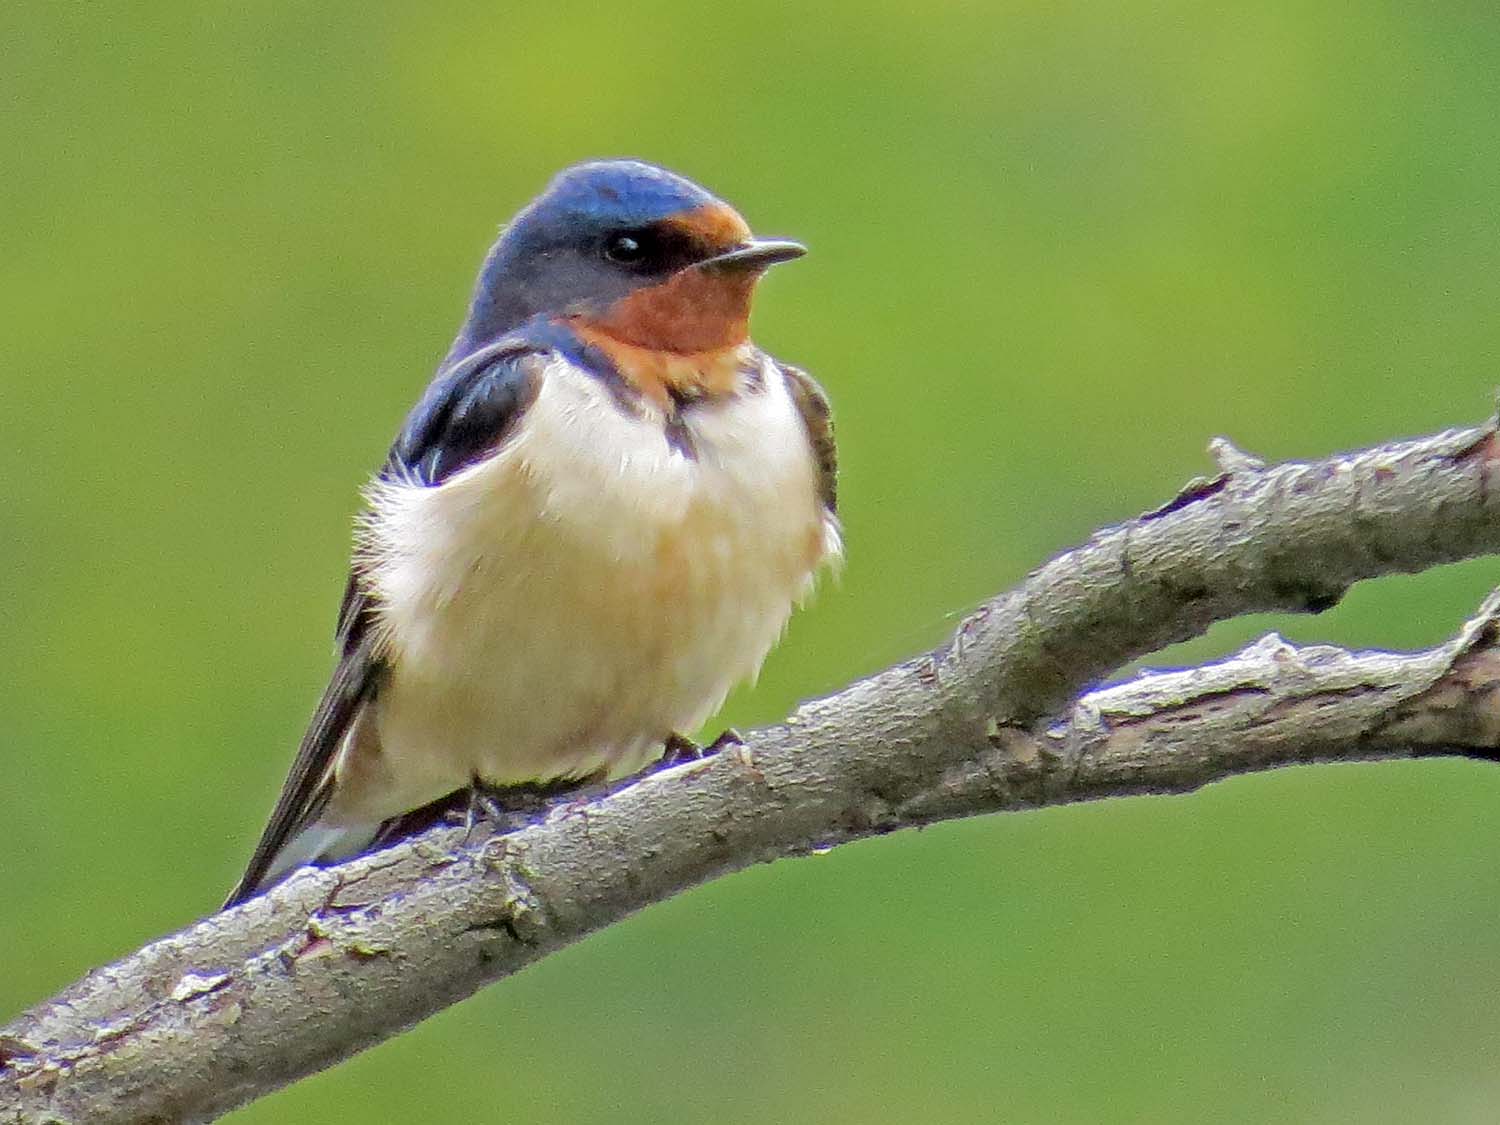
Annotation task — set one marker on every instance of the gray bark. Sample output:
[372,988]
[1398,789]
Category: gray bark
[336,960]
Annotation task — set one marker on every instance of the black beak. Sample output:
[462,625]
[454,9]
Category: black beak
[756,254]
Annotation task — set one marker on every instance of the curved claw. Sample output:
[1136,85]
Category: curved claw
[680,749]
[677,749]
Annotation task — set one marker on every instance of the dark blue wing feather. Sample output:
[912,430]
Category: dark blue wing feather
[468,410]
[817,419]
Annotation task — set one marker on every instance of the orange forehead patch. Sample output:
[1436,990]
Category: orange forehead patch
[716,225]
[683,335]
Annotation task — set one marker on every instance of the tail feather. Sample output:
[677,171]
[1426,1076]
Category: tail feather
[310,783]
[318,845]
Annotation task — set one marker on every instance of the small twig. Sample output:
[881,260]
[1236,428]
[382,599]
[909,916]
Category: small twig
[1231,459]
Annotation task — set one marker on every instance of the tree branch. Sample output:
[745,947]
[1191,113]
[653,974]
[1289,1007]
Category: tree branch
[335,960]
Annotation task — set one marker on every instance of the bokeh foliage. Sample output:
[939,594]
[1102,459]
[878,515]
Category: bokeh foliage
[1056,247]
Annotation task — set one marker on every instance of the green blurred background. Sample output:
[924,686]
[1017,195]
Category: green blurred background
[1056,248]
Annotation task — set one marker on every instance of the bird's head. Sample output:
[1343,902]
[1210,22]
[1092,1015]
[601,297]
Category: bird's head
[629,255]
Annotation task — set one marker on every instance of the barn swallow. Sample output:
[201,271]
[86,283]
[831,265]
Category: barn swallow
[595,522]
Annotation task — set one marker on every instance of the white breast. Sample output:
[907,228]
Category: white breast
[564,605]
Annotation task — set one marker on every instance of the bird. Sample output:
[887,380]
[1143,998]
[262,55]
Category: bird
[596,521]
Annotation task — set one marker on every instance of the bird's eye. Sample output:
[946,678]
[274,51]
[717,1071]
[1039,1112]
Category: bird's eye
[625,248]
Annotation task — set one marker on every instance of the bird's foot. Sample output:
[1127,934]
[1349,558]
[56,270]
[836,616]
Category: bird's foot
[727,737]
[506,807]
[481,807]
[679,749]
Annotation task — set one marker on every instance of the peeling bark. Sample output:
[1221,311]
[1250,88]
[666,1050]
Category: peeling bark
[335,960]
